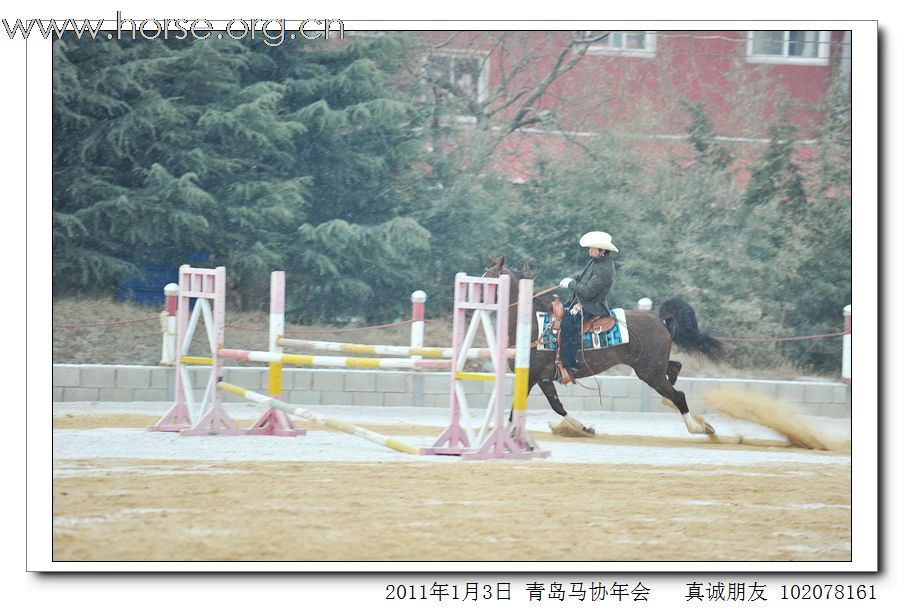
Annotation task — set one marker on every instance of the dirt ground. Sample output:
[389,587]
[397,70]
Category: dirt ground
[166,510]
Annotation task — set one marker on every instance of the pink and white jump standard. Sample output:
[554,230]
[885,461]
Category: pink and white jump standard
[208,288]
[485,296]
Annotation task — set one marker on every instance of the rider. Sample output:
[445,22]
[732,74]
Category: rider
[591,288]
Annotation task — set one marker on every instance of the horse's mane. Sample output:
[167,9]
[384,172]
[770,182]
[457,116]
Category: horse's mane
[517,272]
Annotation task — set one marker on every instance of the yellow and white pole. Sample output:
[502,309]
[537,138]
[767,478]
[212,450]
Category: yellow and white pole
[433,352]
[335,362]
[277,330]
[522,353]
[318,418]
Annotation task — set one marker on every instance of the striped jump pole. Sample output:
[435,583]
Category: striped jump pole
[275,422]
[317,418]
[519,431]
[434,352]
[335,362]
[277,329]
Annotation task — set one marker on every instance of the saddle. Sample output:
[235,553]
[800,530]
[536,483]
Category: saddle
[599,325]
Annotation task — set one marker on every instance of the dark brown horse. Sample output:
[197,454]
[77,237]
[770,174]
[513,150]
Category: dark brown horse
[647,351]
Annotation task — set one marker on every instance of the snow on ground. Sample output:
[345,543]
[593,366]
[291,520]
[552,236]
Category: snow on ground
[133,443]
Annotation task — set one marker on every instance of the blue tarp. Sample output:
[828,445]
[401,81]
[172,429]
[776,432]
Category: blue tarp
[148,291]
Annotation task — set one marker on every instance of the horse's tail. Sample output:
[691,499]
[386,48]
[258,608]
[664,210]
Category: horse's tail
[681,322]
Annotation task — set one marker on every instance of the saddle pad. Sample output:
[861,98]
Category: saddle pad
[546,341]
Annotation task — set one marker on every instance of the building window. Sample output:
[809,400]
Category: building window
[788,46]
[636,43]
[465,74]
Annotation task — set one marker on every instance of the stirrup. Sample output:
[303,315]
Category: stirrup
[565,376]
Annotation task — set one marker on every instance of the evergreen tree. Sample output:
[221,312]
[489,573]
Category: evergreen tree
[113,203]
[777,174]
[167,151]
[823,230]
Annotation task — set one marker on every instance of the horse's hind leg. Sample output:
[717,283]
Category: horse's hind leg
[663,386]
[549,390]
[672,371]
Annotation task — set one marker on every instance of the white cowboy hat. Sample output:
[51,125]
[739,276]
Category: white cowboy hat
[599,240]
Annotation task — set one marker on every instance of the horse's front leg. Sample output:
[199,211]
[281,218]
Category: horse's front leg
[549,390]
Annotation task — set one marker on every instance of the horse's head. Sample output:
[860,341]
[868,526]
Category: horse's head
[497,268]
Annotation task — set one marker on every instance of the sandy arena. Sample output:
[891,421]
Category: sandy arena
[642,490]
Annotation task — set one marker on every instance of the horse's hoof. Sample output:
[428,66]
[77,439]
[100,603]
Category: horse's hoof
[568,430]
[696,424]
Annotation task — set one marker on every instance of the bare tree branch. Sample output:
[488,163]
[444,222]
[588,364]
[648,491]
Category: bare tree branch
[526,113]
[514,98]
[559,68]
[448,41]
[521,101]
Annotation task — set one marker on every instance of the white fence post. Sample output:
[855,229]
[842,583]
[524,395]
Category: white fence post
[168,324]
[644,304]
[417,318]
[418,298]
[846,347]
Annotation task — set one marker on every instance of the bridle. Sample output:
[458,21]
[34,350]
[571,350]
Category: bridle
[534,296]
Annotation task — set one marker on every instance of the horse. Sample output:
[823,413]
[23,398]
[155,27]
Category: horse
[647,352]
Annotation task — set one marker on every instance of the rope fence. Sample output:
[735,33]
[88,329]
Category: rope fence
[340,330]
[105,324]
[787,339]
[417,323]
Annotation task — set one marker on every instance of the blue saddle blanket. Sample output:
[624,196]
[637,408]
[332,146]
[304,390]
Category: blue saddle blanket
[592,340]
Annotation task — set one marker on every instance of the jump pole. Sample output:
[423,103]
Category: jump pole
[275,422]
[318,418]
[335,362]
[522,438]
[435,352]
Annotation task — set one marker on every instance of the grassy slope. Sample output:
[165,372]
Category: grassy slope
[83,333]
[77,337]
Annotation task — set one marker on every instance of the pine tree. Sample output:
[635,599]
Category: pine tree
[220,150]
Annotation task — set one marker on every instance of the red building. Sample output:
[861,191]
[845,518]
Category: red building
[545,92]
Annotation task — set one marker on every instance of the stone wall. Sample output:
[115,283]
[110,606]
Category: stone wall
[123,383]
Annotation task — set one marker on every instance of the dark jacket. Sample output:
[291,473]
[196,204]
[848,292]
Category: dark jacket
[591,287]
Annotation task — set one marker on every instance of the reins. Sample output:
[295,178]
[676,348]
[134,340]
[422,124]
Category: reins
[537,294]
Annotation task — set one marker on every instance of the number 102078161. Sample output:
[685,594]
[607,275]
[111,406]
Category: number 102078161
[828,591]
